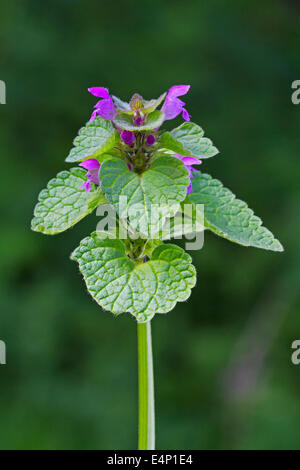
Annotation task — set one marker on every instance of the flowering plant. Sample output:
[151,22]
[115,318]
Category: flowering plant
[146,175]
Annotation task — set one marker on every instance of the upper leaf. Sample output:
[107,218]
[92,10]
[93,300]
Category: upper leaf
[62,204]
[151,105]
[230,217]
[120,104]
[97,137]
[147,106]
[152,121]
[120,285]
[188,140]
[151,196]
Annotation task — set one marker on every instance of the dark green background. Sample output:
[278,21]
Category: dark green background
[223,371]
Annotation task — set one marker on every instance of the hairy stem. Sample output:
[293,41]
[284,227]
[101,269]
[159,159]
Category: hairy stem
[146,388]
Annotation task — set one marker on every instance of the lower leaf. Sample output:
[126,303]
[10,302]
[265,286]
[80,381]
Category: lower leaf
[119,284]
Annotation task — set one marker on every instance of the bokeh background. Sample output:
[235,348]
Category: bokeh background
[223,371]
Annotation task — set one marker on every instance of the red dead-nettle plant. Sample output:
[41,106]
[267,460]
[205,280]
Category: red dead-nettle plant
[123,154]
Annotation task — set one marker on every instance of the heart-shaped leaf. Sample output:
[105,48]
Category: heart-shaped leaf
[120,285]
[97,137]
[229,217]
[63,203]
[152,121]
[147,198]
[188,140]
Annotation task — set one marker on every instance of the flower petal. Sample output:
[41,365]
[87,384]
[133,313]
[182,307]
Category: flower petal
[185,115]
[189,188]
[90,164]
[93,115]
[86,185]
[190,160]
[106,109]
[173,105]
[171,108]
[93,176]
[100,92]
[178,90]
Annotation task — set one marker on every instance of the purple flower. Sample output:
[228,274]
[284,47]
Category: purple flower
[188,162]
[173,105]
[105,107]
[150,140]
[139,120]
[127,137]
[92,165]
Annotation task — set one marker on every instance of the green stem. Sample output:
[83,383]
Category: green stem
[146,388]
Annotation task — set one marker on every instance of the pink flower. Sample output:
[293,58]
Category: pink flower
[105,107]
[173,105]
[188,162]
[92,165]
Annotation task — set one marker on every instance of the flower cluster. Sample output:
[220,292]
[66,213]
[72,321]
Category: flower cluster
[109,107]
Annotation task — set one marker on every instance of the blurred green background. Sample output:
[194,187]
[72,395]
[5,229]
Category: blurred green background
[223,371]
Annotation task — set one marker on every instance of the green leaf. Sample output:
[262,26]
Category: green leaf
[188,140]
[151,196]
[148,106]
[120,285]
[62,204]
[96,138]
[151,105]
[229,217]
[152,121]
[121,105]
